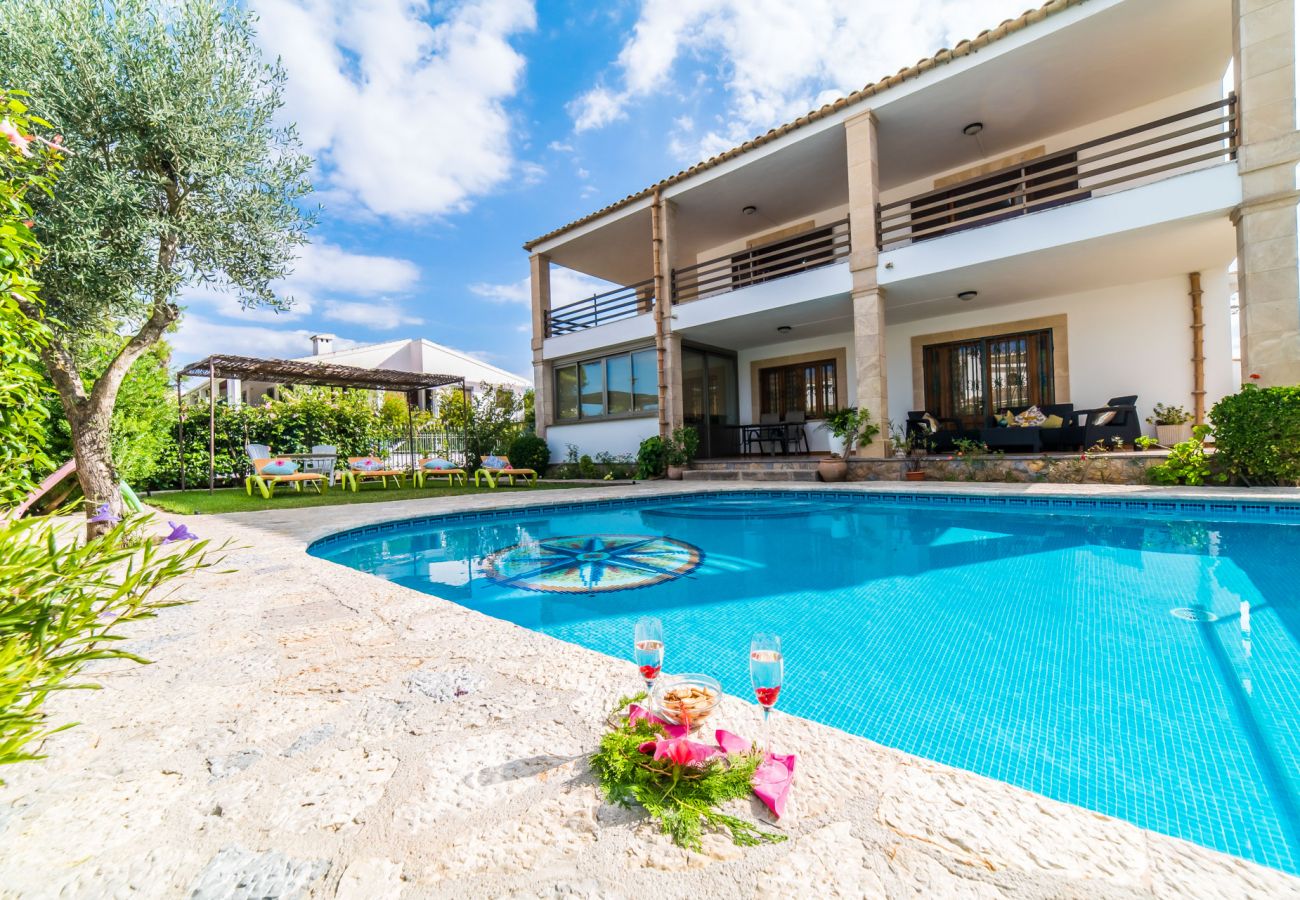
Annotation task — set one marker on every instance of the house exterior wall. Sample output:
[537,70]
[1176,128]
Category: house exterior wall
[1133,338]
[616,436]
[764,232]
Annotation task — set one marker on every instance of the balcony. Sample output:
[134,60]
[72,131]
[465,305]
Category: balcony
[1176,144]
[821,246]
[601,309]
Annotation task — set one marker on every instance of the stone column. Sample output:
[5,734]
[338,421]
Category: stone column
[1268,255]
[868,298]
[540,277]
[669,345]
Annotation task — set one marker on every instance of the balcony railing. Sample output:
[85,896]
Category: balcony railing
[812,249]
[601,309]
[1168,146]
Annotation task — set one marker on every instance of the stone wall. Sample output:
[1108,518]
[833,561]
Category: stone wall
[1094,468]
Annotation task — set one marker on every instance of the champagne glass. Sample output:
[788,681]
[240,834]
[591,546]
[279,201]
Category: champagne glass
[648,647]
[766,670]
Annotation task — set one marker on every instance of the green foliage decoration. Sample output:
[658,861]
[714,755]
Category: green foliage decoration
[491,419]
[1168,415]
[681,446]
[851,425]
[1188,462]
[683,799]
[1257,435]
[63,604]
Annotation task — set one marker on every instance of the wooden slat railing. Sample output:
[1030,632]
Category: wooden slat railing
[1167,146]
[601,309]
[820,246]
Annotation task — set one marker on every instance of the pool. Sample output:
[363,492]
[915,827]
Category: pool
[1141,659]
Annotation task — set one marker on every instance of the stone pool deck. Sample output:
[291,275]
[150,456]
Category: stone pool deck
[307,730]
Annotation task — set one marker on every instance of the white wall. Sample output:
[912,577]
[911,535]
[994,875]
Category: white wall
[818,439]
[616,436]
[1133,338]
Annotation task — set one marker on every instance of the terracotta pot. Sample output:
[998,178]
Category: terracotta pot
[1174,434]
[832,468]
[675,472]
[914,476]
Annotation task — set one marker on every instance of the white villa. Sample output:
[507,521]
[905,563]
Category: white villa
[1064,209]
[414,355]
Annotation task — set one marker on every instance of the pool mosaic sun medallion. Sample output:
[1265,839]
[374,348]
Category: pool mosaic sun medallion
[589,563]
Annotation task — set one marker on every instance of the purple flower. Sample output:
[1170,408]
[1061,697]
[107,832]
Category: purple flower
[104,515]
[180,532]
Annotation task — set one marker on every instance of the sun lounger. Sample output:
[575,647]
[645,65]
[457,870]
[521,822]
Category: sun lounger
[493,467]
[266,481]
[425,471]
[368,468]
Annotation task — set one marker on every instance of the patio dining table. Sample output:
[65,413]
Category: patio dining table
[772,433]
[315,462]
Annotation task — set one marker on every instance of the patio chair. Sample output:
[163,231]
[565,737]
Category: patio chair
[1118,419]
[288,474]
[795,434]
[433,467]
[257,451]
[771,435]
[493,467]
[323,466]
[368,468]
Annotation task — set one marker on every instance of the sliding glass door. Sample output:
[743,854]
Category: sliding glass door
[710,400]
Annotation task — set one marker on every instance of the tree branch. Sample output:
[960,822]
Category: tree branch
[106,387]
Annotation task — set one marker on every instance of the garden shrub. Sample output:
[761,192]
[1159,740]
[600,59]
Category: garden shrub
[587,468]
[528,451]
[1188,462]
[1257,435]
[651,458]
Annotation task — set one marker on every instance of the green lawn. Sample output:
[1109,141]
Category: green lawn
[225,500]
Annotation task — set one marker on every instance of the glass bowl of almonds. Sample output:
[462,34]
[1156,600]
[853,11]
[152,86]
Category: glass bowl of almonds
[686,699]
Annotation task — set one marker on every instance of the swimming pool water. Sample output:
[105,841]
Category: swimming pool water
[1143,667]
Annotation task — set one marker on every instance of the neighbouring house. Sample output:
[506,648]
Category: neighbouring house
[414,355]
[1064,209]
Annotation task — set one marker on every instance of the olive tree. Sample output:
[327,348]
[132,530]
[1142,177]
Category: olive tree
[178,174]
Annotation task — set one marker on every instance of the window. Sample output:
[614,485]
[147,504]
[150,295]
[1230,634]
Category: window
[969,380]
[626,384]
[810,388]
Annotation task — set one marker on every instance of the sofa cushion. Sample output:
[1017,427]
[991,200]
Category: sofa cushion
[1103,418]
[280,467]
[1053,422]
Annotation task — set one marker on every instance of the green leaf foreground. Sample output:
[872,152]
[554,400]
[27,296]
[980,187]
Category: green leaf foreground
[682,799]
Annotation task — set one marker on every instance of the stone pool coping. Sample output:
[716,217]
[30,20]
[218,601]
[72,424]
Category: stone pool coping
[309,730]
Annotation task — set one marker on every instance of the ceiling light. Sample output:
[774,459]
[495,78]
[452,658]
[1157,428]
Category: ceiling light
[749,210]
[783,329]
[967,296]
[973,129]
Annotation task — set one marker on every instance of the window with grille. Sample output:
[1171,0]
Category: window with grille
[810,388]
[969,380]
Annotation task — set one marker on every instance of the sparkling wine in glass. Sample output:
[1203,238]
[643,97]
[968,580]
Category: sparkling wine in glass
[766,670]
[648,647]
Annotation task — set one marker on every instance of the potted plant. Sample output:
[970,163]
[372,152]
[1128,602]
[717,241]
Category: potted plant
[847,427]
[899,442]
[679,449]
[1173,424]
[917,448]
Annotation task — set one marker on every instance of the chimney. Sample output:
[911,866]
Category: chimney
[322,343]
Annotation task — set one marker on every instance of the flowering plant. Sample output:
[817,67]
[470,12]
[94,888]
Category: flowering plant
[679,782]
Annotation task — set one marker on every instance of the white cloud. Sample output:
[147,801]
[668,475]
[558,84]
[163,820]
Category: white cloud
[532,173]
[560,147]
[404,114]
[566,287]
[380,315]
[776,60]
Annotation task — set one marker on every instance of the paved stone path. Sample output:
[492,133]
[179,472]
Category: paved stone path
[311,731]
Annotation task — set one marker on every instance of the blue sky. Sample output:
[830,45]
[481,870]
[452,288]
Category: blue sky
[448,133]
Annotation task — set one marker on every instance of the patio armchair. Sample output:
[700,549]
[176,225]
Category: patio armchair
[282,471]
[1118,419]
[433,467]
[493,467]
[368,468]
[941,439]
[795,434]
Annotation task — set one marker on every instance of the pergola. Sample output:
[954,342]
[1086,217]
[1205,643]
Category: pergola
[290,371]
